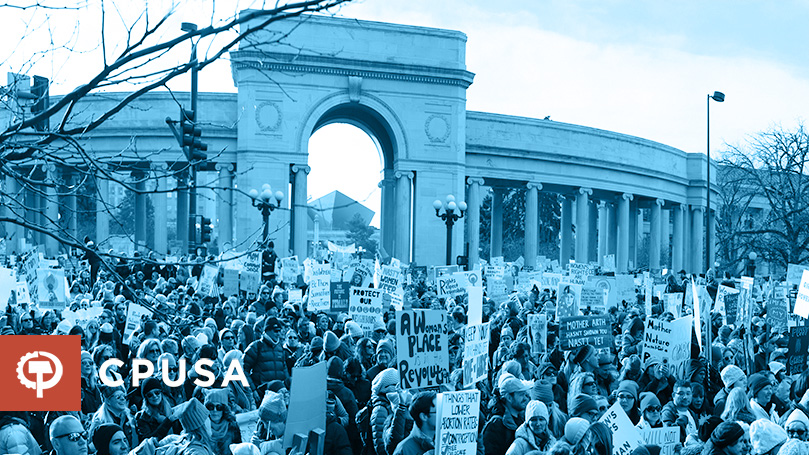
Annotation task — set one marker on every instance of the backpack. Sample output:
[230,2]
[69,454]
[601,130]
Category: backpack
[363,421]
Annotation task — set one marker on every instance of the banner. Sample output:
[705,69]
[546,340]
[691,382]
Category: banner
[307,401]
[798,348]
[320,288]
[625,436]
[667,342]
[421,348]
[475,353]
[538,333]
[577,331]
[456,429]
[52,290]
[339,297]
[667,438]
[568,298]
[365,308]
[134,314]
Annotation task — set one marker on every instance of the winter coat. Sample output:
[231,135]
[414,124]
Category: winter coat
[127,423]
[387,426]
[90,397]
[497,437]
[336,442]
[148,426]
[525,441]
[15,438]
[231,436]
[669,415]
[265,361]
[416,443]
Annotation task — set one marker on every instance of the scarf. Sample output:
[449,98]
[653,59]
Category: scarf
[219,429]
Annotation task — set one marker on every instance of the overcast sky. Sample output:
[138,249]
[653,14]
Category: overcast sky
[642,68]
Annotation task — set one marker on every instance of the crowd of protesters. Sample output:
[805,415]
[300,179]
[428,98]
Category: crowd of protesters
[741,402]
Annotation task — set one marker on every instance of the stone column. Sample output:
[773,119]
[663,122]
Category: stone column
[677,238]
[633,234]
[387,220]
[566,234]
[622,253]
[612,228]
[583,225]
[654,234]
[687,247]
[697,239]
[300,209]
[140,210]
[102,210]
[712,245]
[496,237]
[473,219]
[531,223]
[403,190]
[160,205]
[224,206]
[602,231]
[72,189]
[665,233]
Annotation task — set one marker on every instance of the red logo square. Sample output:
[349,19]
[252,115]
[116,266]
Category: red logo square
[40,373]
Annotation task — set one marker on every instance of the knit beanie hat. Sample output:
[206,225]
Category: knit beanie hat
[193,415]
[386,345]
[775,367]
[536,409]
[233,354]
[102,437]
[731,374]
[726,434]
[511,385]
[584,353]
[354,329]
[648,449]
[765,435]
[575,429]
[272,407]
[107,391]
[217,396]
[756,382]
[244,448]
[190,345]
[707,428]
[797,416]
[542,391]
[630,387]
[583,404]
[148,385]
[316,345]
[331,341]
[85,355]
[335,368]
[383,379]
[794,446]
[507,330]
[648,399]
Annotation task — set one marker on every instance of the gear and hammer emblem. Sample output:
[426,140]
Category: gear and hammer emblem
[39,368]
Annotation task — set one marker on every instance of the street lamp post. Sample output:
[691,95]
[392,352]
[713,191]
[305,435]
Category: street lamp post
[718,97]
[266,202]
[751,264]
[449,216]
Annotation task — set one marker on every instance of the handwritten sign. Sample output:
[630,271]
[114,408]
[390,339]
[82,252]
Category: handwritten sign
[320,288]
[667,438]
[365,308]
[575,332]
[802,301]
[456,427]
[250,278]
[207,280]
[290,269]
[476,353]
[538,333]
[449,286]
[51,289]
[795,274]
[778,309]
[625,437]
[230,282]
[134,314]
[798,347]
[421,348]
[667,342]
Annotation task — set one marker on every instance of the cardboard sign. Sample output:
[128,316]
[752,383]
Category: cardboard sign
[538,333]
[577,331]
[422,348]
[52,291]
[798,348]
[568,298]
[365,308]
[230,282]
[625,436]
[134,314]
[802,301]
[307,401]
[673,303]
[339,297]
[667,342]
[448,286]
[475,353]
[667,438]
[457,415]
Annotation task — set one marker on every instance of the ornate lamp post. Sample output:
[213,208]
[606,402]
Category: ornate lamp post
[266,202]
[751,264]
[449,216]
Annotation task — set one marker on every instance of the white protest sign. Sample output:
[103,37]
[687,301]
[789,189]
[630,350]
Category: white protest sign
[205,285]
[307,401]
[579,273]
[290,269]
[422,353]
[448,286]
[673,303]
[475,312]
[476,353]
[625,436]
[667,342]
[647,288]
[250,278]
[8,281]
[389,280]
[568,298]
[795,274]
[247,423]
[457,415]
[697,325]
[667,438]
[468,278]
[538,333]
[23,297]
[133,316]
[295,296]
[802,301]
[51,289]
[319,288]
[365,308]
[230,282]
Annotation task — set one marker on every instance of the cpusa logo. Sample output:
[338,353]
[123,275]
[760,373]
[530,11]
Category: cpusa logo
[143,369]
[40,372]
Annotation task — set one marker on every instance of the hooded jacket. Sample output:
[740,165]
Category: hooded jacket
[525,441]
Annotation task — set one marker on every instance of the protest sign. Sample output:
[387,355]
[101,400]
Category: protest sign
[647,293]
[389,281]
[29,273]
[579,273]
[290,269]
[550,281]
[207,280]
[468,278]
[250,277]
[667,342]
[609,263]
[134,314]
[568,298]
[798,348]
[448,286]
[538,333]
[365,308]
[307,401]
[593,298]
[8,281]
[475,353]
[320,288]
[720,305]
[52,290]
[247,423]
[363,273]
[802,301]
[625,436]
[21,293]
[605,284]
[625,289]
[230,282]
[667,438]
[457,415]
[421,348]
[673,303]
[577,331]
[697,325]
[778,309]
[295,296]
[339,297]
[475,302]
[442,270]
[795,274]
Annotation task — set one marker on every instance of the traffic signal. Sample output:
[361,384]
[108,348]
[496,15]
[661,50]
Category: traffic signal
[191,137]
[206,230]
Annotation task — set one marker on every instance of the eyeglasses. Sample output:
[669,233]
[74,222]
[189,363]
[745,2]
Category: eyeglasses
[174,369]
[653,409]
[798,433]
[153,351]
[215,407]
[602,408]
[73,437]
[26,320]
[154,393]
[229,337]
[625,397]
